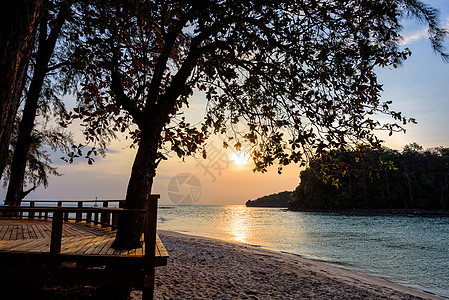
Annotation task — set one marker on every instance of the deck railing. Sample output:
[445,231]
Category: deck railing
[103,215]
[103,218]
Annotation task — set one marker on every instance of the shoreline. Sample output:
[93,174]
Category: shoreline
[377,212]
[204,268]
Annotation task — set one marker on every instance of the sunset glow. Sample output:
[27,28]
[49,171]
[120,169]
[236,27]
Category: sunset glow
[240,158]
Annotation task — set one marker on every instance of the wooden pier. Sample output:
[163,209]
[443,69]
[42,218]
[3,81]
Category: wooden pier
[77,250]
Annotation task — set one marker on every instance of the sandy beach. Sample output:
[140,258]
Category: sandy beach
[203,268]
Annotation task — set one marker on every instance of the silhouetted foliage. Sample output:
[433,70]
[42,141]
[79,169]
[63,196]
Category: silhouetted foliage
[38,161]
[299,74]
[375,179]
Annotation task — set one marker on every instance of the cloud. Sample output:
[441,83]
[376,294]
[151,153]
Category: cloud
[413,37]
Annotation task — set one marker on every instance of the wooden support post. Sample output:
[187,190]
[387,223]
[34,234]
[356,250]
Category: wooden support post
[31,213]
[56,232]
[150,246]
[105,219]
[46,216]
[78,214]
[88,217]
[115,217]
[96,218]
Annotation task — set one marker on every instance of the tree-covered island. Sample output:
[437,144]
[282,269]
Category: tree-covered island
[376,179]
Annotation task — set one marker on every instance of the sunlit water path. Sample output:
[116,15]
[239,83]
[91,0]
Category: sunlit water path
[412,251]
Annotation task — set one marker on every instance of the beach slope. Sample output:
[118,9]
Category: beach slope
[203,268]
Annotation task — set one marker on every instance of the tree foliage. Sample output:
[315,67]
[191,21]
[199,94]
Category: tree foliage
[374,179]
[38,161]
[299,74]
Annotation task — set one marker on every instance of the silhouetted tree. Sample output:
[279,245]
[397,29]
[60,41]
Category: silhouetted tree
[51,25]
[18,23]
[300,75]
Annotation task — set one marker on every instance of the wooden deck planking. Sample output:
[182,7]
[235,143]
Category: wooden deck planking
[3,231]
[37,232]
[78,239]
[29,245]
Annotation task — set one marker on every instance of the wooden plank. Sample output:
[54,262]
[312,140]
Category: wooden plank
[35,234]
[97,248]
[45,230]
[25,232]
[161,247]
[30,231]
[44,247]
[3,230]
[107,247]
[29,245]
[19,232]
[74,241]
[82,245]
[99,240]
[11,244]
[13,235]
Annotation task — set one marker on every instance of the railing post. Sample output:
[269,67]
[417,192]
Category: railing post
[56,233]
[150,246]
[96,218]
[79,214]
[105,216]
[114,223]
[31,213]
[88,217]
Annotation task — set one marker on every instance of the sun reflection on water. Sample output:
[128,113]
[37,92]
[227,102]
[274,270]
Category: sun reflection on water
[239,223]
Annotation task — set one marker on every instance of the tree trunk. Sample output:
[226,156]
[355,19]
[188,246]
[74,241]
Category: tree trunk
[15,192]
[18,167]
[18,24]
[130,226]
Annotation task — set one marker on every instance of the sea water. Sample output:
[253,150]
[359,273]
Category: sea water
[409,250]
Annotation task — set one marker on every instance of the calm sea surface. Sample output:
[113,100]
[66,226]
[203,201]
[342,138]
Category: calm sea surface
[412,251]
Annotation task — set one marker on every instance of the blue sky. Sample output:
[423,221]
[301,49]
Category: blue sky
[419,89]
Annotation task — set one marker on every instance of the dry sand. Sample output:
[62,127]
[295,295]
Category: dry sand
[203,268]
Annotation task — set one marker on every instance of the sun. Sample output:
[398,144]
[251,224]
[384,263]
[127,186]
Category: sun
[240,158]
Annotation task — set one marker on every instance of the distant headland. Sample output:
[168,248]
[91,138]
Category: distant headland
[274,200]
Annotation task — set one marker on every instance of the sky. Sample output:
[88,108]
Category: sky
[419,89]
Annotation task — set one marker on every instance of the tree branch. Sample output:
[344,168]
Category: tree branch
[119,94]
[170,40]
